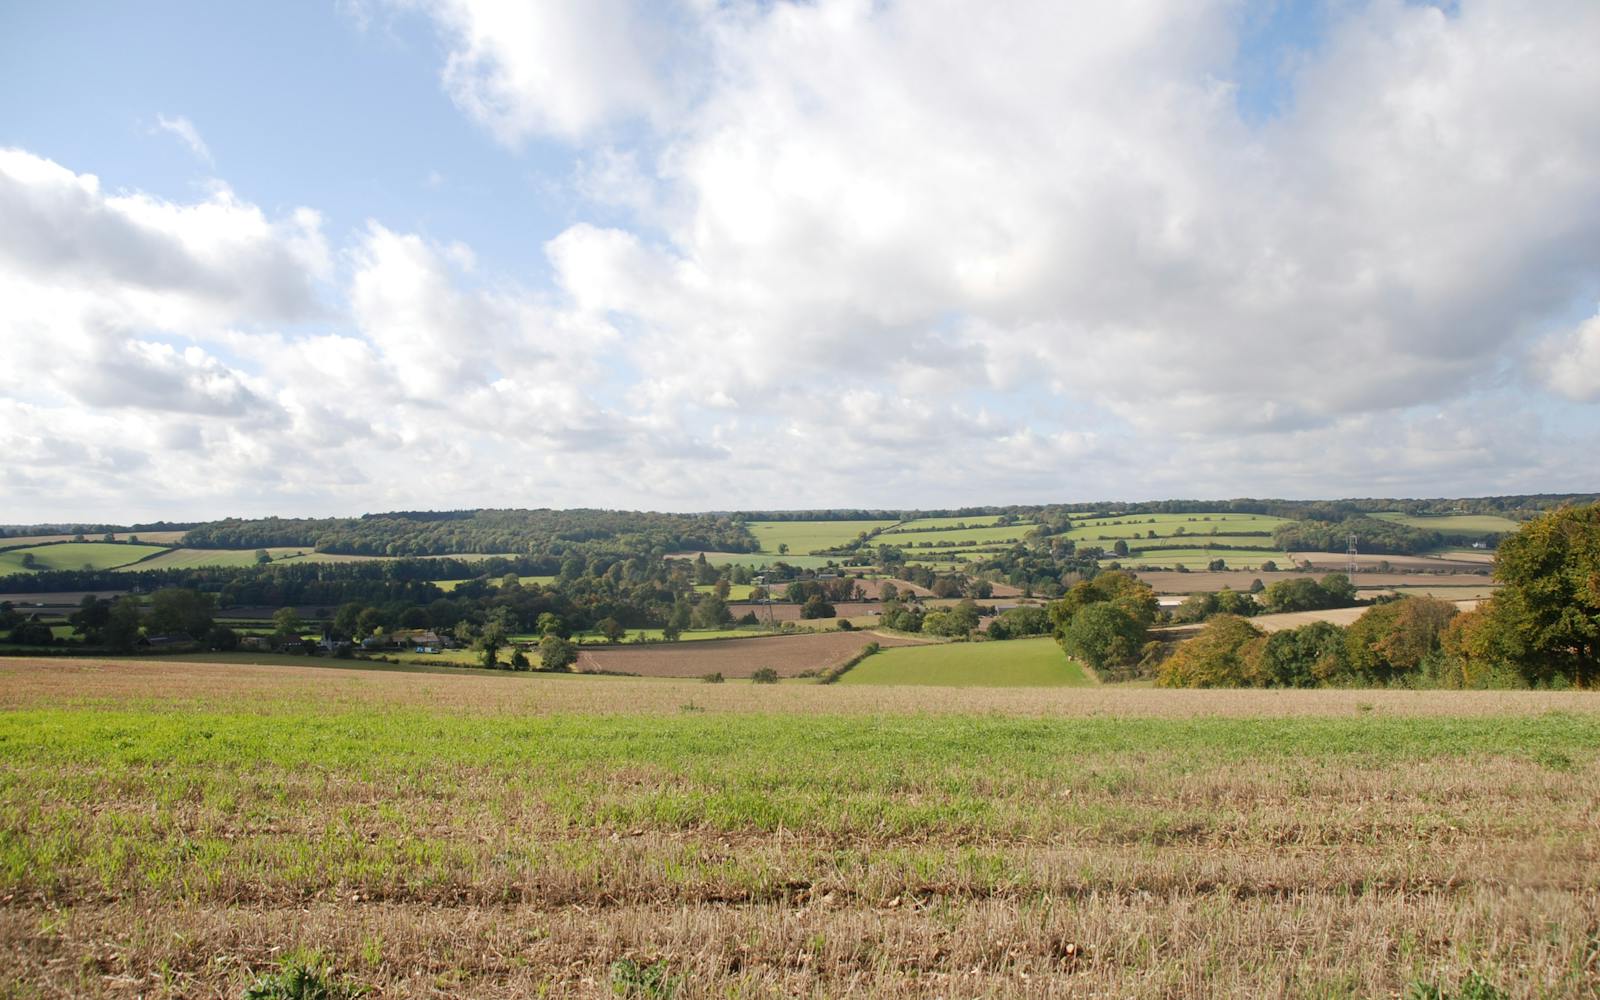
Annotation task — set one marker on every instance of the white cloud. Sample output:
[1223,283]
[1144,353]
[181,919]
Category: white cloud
[1570,363]
[184,129]
[855,252]
[552,68]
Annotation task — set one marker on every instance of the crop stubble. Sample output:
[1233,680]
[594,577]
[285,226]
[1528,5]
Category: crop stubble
[179,827]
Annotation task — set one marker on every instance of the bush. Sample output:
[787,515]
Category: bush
[713,678]
[766,675]
[630,979]
[302,979]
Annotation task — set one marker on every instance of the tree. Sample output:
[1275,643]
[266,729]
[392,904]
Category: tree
[286,621]
[180,609]
[722,588]
[783,548]
[711,612]
[1120,547]
[263,557]
[122,624]
[519,660]
[549,623]
[612,629]
[1307,656]
[1394,640]
[344,622]
[556,653]
[888,592]
[1104,634]
[1549,606]
[816,606]
[1214,658]
[29,561]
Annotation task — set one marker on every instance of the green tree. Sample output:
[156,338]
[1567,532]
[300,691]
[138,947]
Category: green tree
[556,653]
[263,557]
[1103,634]
[612,629]
[711,612]
[180,609]
[817,606]
[1549,606]
[122,624]
[286,621]
[1217,657]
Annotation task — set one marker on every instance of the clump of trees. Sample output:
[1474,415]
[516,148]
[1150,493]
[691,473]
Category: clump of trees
[1105,621]
[1540,629]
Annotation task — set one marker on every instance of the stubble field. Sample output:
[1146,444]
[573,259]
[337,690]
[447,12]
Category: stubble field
[179,829]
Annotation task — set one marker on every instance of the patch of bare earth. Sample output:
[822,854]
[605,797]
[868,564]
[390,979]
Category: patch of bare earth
[789,655]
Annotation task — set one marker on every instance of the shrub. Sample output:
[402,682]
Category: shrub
[307,978]
[630,979]
[712,678]
[766,675]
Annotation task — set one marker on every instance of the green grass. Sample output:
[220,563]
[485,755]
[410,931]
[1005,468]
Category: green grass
[1455,524]
[194,558]
[1200,558]
[923,540]
[1165,524]
[736,591]
[807,536]
[1017,663]
[76,555]
[926,523]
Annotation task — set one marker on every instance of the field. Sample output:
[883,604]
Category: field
[756,560]
[1456,524]
[180,829]
[75,555]
[150,537]
[1166,525]
[1200,558]
[1017,663]
[915,541]
[789,655]
[942,523]
[807,536]
[736,591]
[190,558]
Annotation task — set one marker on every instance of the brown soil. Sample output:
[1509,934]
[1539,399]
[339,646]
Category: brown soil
[1169,582]
[789,655]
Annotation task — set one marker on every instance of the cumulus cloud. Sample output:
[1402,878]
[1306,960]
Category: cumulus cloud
[1570,363]
[553,68]
[855,252]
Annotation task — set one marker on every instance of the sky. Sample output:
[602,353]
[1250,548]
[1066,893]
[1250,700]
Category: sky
[326,259]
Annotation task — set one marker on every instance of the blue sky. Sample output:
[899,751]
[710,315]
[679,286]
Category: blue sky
[711,256]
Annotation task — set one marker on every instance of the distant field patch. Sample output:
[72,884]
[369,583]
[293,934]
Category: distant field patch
[195,558]
[1193,558]
[943,523]
[736,591]
[808,536]
[1166,525]
[1454,524]
[1018,663]
[74,555]
[757,560]
[961,537]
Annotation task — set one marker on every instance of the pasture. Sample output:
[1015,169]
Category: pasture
[1455,524]
[803,537]
[1166,525]
[916,541]
[194,558]
[1016,663]
[944,523]
[75,555]
[1200,558]
[182,829]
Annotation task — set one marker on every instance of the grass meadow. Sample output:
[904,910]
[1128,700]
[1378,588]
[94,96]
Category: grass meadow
[1017,663]
[75,555]
[1456,524]
[808,536]
[1130,525]
[1201,558]
[945,523]
[180,829]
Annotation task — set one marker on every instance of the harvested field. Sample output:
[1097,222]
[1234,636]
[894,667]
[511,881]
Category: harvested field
[1336,561]
[181,829]
[783,612]
[1168,582]
[1338,616]
[787,654]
